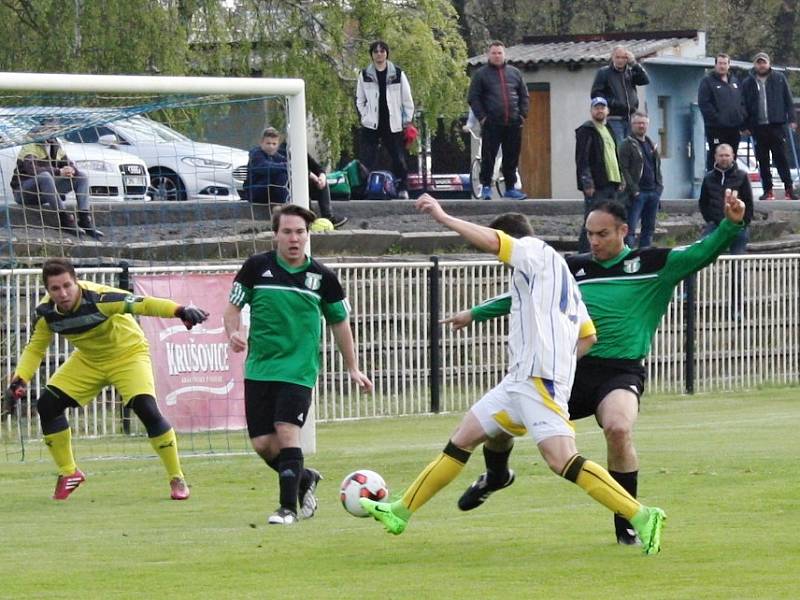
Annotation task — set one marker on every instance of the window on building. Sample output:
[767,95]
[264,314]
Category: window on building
[663,130]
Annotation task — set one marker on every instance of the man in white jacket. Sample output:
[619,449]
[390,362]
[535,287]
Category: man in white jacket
[385,105]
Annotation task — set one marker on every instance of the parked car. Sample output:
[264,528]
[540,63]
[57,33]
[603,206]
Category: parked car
[114,175]
[179,167]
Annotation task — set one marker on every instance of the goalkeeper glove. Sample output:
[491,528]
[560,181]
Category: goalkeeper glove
[191,315]
[15,391]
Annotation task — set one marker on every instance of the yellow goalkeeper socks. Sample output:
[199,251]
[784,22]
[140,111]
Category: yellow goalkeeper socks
[60,446]
[433,478]
[166,446]
[598,483]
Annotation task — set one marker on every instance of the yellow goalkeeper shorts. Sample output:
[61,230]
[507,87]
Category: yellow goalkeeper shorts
[82,379]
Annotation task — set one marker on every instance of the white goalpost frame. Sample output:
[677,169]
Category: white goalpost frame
[294,89]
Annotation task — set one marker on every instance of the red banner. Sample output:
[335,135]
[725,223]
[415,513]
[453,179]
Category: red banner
[198,379]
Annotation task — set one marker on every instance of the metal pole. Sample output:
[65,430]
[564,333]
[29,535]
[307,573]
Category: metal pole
[689,287]
[436,357]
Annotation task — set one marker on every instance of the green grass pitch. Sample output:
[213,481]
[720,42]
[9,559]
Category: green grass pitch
[723,466]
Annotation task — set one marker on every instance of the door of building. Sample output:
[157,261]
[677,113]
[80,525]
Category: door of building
[534,159]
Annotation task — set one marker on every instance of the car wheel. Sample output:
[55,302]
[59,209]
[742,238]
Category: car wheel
[166,187]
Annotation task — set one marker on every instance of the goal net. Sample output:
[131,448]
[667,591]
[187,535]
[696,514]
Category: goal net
[145,187]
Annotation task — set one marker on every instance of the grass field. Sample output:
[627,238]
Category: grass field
[724,467]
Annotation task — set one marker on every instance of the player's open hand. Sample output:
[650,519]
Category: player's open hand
[361,380]
[430,205]
[458,320]
[191,315]
[734,208]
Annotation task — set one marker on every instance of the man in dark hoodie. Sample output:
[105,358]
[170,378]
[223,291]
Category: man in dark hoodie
[596,163]
[616,82]
[720,100]
[726,175]
[499,99]
[769,106]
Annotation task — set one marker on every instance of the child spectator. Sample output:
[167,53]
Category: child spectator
[267,179]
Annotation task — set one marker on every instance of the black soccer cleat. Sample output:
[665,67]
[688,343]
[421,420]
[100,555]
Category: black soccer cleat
[479,491]
[628,537]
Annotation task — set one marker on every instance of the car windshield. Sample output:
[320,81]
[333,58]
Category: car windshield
[145,129]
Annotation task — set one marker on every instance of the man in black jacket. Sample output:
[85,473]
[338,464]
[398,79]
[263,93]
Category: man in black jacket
[768,102]
[499,99]
[596,163]
[720,100]
[617,83]
[726,175]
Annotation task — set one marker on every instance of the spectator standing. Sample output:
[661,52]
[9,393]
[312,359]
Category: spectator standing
[616,82]
[640,165]
[386,107]
[720,100]
[596,162]
[499,99]
[768,102]
[267,180]
[43,176]
[726,175]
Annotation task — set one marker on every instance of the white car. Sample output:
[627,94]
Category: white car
[179,167]
[114,176]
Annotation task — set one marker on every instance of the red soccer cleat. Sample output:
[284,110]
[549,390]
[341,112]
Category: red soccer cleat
[178,488]
[66,484]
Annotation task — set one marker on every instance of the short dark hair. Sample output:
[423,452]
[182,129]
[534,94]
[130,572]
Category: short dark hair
[514,224]
[292,209]
[271,132]
[379,44]
[57,266]
[496,43]
[721,55]
[613,208]
[641,114]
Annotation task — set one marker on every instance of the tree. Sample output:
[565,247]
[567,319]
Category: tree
[323,42]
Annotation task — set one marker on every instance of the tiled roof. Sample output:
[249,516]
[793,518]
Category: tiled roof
[599,51]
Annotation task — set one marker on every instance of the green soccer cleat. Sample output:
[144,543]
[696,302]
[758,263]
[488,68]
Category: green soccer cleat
[648,523]
[382,511]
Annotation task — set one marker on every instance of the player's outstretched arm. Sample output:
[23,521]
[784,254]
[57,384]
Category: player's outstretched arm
[191,315]
[344,341]
[483,238]
[458,320]
[232,320]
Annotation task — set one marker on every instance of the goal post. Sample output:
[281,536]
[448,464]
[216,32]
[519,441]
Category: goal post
[293,89]
[111,99]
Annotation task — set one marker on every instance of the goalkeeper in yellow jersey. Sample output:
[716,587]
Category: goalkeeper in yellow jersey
[110,349]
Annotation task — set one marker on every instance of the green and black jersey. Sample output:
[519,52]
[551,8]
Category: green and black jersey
[286,304]
[627,295]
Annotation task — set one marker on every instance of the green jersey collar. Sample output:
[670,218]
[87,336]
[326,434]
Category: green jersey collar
[612,261]
[291,269]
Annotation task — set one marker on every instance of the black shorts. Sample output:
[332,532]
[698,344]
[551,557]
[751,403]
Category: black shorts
[595,378]
[270,402]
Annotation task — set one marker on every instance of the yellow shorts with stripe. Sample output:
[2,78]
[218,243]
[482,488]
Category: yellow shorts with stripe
[535,406]
[82,379]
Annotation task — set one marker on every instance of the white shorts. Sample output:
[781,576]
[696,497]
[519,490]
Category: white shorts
[535,406]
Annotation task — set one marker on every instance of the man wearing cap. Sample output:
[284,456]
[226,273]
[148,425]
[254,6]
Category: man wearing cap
[720,100]
[385,106]
[768,102]
[598,172]
[616,82]
[499,99]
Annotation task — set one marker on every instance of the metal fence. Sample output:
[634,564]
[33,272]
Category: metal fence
[735,325]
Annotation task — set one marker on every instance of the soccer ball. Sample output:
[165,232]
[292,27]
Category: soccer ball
[362,484]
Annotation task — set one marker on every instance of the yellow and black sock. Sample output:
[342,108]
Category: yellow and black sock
[166,446]
[433,478]
[599,484]
[60,446]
